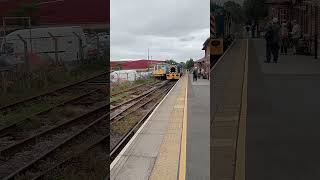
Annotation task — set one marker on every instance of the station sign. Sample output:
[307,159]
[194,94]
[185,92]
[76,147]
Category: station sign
[216,46]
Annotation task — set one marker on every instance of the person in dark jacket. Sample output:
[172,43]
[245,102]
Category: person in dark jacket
[272,37]
[284,38]
[253,29]
[195,74]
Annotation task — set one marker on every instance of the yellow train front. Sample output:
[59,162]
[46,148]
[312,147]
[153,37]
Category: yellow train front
[160,70]
[175,73]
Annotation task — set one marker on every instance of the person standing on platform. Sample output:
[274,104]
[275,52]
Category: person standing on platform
[202,73]
[272,37]
[296,34]
[195,74]
[284,38]
[253,29]
[247,27]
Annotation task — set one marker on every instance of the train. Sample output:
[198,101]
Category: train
[160,70]
[166,71]
[175,72]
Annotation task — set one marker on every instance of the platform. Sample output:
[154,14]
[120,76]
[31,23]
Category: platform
[174,141]
[282,141]
[158,148]
[265,115]
[228,113]
[198,130]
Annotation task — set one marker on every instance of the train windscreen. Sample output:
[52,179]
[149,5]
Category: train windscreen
[173,69]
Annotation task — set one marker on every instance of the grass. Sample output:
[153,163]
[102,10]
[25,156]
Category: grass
[118,97]
[54,79]
[123,126]
[126,85]
[89,166]
[32,123]
[24,113]
[28,111]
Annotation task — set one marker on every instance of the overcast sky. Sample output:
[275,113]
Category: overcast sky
[172,29]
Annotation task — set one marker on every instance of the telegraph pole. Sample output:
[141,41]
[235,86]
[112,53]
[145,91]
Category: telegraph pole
[148,53]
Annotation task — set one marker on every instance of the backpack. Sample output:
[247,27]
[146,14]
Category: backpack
[269,35]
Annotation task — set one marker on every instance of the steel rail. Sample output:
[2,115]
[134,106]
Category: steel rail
[11,127]
[51,151]
[11,150]
[142,96]
[115,119]
[94,144]
[8,108]
[16,147]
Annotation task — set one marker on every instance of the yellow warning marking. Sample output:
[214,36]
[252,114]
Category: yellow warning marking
[183,151]
[240,161]
[179,106]
[167,162]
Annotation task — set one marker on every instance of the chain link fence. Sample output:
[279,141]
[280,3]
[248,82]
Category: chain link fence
[24,59]
[123,76]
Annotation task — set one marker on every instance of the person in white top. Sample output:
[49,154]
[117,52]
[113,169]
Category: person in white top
[296,34]
[284,35]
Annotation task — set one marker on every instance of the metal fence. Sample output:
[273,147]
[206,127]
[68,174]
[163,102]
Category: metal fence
[23,59]
[118,77]
[54,49]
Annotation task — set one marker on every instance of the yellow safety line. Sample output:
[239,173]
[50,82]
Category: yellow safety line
[241,155]
[183,151]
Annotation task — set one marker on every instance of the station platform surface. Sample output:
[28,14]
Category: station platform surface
[266,117]
[198,130]
[228,113]
[159,146]
[174,141]
[282,141]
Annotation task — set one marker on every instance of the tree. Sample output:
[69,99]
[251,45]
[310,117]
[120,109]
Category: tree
[214,6]
[236,11]
[183,64]
[171,61]
[255,9]
[118,67]
[26,10]
[189,63]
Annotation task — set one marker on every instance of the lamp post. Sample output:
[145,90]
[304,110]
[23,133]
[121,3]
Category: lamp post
[316,5]
[316,31]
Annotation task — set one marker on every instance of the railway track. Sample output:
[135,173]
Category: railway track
[97,149]
[82,100]
[75,144]
[54,97]
[136,113]
[133,92]
[31,147]
[95,96]
[146,97]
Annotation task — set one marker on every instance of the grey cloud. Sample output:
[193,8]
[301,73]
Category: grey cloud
[170,28]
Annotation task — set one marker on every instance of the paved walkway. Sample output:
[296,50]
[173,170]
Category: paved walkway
[282,137]
[198,132]
[288,64]
[227,88]
[154,152]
